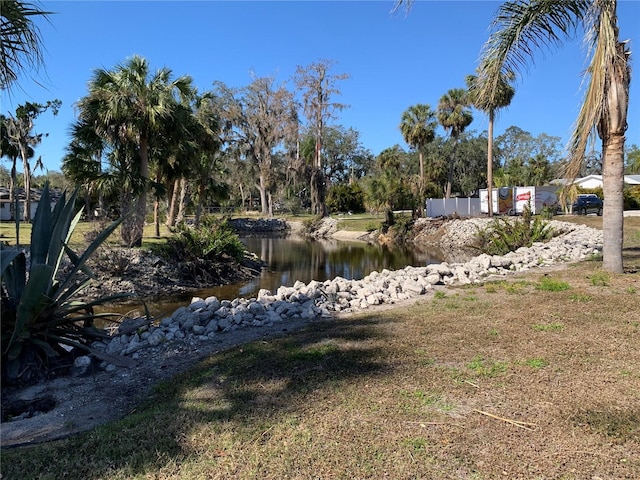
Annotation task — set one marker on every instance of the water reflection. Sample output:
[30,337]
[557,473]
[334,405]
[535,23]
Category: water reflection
[291,259]
[294,259]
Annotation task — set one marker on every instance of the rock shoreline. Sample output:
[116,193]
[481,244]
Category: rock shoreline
[203,320]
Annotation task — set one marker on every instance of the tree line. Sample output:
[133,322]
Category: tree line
[149,127]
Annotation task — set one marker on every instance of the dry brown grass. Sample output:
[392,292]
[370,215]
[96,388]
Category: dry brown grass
[536,375]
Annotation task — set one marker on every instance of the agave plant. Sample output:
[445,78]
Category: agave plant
[42,318]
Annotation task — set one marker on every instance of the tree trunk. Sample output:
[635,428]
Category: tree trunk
[87,205]
[156,211]
[421,186]
[611,128]
[242,197]
[12,191]
[318,205]
[199,205]
[156,217]
[141,206]
[171,214]
[126,228]
[263,195]
[490,165]
[27,183]
[613,209]
[447,190]
[182,200]
[317,176]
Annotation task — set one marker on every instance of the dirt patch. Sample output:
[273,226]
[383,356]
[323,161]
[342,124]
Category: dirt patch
[77,404]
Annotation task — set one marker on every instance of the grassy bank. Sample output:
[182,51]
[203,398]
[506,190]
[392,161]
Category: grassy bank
[531,376]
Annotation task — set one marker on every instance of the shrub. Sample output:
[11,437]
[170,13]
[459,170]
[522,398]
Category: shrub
[346,198]
[213,240]
[632,197]
[199,251]
[40,312]
[505,235]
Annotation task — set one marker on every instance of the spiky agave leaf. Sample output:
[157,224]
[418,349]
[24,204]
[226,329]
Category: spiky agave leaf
[44,316]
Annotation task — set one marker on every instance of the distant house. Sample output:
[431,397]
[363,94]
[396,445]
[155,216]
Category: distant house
[5,203]
[595,181]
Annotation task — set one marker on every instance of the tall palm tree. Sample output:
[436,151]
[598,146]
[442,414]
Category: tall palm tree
[82,162]
[20,42]
[501,98]
[454,115]
[418,126]
[134,102]
[523,27]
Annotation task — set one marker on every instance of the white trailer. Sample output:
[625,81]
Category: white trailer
[537,198]
[503,203]
[512,200]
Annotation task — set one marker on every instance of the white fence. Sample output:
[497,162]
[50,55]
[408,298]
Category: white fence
[465,207]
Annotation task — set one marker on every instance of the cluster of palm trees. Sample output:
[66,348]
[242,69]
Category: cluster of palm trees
[138,119]
[419,122]
[157,134]
[520,29]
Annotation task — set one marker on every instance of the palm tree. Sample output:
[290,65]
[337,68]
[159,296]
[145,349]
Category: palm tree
[20,42]
[502,97]
[418,127]
[454,115]
[134,103]
[82,163]
[519,29]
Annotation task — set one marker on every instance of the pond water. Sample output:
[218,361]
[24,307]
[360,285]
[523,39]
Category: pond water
[290,259]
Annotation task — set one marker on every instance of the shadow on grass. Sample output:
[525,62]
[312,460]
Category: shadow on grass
[240,392]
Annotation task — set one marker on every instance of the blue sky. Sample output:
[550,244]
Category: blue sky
[394,61]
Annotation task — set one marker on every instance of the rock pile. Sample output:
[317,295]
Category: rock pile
[204,319]
[259,225]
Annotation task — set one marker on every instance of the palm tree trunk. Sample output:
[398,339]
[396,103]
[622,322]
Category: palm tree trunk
[141,207]
[156,211]
[171,214]
[447,192]
[421,186]
[156,217]
[611,128]
[613,209]
[182,200]
[490,165]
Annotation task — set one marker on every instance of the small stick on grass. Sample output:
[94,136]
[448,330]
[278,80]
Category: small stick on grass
[512,422]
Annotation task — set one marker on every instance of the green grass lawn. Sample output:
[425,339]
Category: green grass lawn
[511,379]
